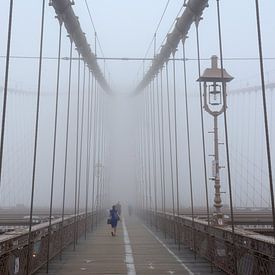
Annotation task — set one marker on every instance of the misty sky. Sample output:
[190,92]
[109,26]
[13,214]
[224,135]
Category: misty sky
[125,28]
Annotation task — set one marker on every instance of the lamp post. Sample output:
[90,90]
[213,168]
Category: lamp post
[214,84]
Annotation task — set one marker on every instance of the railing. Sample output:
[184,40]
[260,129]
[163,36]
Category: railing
[14,246]
[254,253]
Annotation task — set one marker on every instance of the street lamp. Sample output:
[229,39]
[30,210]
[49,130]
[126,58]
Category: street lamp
[214,84]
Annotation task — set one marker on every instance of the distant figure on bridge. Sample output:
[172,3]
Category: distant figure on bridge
[118,207]
[114,218]
[130,209]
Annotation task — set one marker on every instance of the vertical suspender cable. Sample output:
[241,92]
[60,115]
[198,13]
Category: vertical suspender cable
[5,96]
[97,157]
[203,142]
[269,162]
[100,153]
[154,147]
[143,153]
[54,140]
[141,167]
[227,142]
[97,154]
[170,147]
[188,143]
[95,134]
[146,161]
[159,141]
[142,180]
[66,146]
[149,153]
[36,134]
[88,154]
[101,146]
[202,126]
[176,145]
[163,148]
[81,148]
[94,146]
[76,152]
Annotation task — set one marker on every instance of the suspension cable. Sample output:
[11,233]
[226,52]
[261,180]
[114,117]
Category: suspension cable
[159,141]
[154,146]
[144,159]
[202,125]
[156,30]
[6,88]
[81,147]
[76,153]
[227,140]
[36,133]
[101,157]
[163,147]
[94,145]
[98,155]
[268,152]
[88,154]
[66,146]
[146,152]
[149,151]
[188,143]
[203,136]
[54,141]
[176,132]
[170,146]
[176,144]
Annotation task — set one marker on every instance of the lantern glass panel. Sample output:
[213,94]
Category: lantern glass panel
[214,93]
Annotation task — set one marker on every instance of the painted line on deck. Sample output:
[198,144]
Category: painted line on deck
[129,259]
[169,250]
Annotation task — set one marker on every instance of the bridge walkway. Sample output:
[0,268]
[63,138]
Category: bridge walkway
[136,249]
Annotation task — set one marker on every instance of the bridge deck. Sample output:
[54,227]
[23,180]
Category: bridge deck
[135,249]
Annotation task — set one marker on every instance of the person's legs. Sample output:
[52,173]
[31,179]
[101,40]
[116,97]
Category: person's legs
[112,230]
[115,230]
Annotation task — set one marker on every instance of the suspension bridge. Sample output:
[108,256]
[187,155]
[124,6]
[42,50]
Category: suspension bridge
[192,147]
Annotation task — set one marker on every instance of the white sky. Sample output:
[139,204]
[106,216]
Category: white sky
[126,27]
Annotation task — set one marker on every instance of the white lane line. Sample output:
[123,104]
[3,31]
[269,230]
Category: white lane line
[170,251]
[129,259]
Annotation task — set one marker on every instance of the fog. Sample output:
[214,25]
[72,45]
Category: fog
[119,153]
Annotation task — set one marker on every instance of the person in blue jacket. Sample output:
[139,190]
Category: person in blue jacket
[114,217]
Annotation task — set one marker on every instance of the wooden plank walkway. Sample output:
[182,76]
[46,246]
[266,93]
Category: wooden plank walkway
[135,250]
